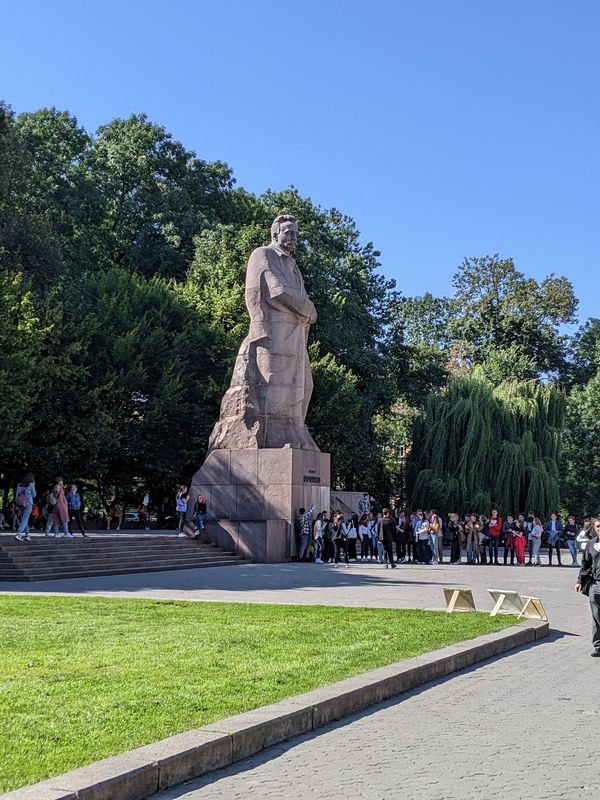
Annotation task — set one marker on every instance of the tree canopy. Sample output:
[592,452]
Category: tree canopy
[122,263]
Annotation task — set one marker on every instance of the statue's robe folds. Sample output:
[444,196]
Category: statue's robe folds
[271,386]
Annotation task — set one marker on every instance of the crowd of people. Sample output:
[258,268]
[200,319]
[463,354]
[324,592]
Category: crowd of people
[58,511]
[369,535]
[421,536]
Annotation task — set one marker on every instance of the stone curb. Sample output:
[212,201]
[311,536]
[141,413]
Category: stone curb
[142,772]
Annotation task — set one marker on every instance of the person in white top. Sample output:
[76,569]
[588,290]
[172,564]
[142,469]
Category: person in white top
[366,545]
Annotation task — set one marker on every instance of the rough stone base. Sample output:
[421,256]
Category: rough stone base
[253,497]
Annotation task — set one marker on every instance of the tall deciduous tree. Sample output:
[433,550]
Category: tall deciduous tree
[496,307]
[156,194]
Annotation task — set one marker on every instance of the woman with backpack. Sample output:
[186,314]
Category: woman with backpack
[24,497]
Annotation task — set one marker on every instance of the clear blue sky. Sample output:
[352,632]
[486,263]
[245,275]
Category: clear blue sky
[446,128]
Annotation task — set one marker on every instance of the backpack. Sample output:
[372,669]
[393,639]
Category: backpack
[21,499]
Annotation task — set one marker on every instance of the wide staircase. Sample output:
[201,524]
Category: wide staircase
[40,559]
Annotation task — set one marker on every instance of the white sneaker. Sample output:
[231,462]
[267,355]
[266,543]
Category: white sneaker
[20,537]
[318,561]
[68,535]
[182,534]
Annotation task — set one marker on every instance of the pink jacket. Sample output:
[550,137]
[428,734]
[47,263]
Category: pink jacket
[61,510]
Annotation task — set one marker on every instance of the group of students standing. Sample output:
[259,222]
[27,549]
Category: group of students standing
[420,537]
[330,539]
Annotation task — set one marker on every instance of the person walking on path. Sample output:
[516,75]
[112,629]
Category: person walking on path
[386,532]
[304,524]
[181,503]
[570,533]
[74,506]
[554,530]
[24,496]
[588,583]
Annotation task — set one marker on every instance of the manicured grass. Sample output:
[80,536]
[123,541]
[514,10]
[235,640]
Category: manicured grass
[83,678]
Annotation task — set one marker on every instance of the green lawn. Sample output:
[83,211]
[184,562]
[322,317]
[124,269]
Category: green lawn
[82,678]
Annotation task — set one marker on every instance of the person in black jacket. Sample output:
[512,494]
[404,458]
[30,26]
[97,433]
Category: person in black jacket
[588,582]
[386,531]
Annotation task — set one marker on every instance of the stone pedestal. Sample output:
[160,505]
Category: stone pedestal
[253,497]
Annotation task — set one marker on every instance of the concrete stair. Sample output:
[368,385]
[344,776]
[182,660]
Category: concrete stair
[41,559]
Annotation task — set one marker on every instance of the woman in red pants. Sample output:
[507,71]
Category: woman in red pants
[519,543]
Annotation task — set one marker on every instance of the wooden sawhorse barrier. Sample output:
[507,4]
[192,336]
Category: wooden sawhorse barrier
[459,600]
[521,606]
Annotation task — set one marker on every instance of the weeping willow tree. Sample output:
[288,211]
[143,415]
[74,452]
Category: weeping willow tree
[479,446]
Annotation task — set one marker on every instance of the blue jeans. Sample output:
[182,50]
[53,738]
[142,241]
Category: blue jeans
[23,526]
[318,547]
[433,538]
[199,520]
[471,553]
[304,541]
[572,545]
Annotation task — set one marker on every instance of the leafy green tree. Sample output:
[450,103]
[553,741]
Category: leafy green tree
[28,245]
[582,365]
[157,196]
[20,339]
[56,189]
[131,395]
[335,403]
[496,308]
[581,457]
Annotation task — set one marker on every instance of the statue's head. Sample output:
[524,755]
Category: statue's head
[284,232]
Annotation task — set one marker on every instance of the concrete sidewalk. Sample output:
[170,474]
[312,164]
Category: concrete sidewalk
[370,584]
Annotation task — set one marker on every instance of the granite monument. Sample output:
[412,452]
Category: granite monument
[262,463]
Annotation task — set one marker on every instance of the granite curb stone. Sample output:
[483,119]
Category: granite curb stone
[142,772]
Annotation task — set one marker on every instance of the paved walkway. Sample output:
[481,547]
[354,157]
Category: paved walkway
[520,726]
